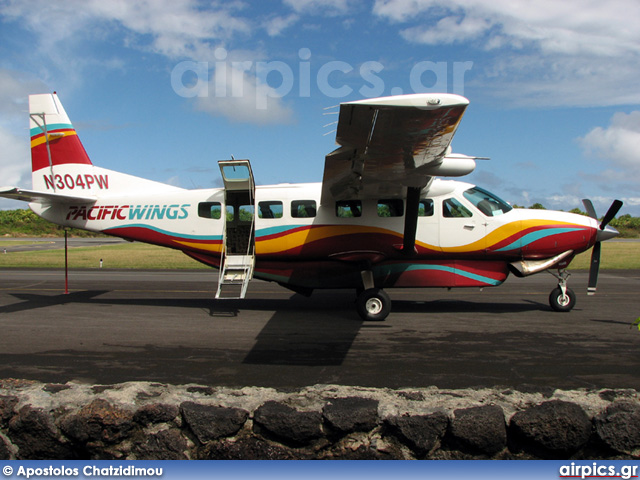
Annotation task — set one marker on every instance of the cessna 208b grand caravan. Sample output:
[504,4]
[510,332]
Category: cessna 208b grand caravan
[379,219]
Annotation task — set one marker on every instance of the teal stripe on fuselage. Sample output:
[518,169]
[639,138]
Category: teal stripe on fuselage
[398,268]
[529,238]
[265,232]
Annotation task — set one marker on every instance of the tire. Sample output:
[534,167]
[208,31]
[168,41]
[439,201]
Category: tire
[562,303]
[373,305]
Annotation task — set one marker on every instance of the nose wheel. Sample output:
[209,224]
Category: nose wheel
[562,298]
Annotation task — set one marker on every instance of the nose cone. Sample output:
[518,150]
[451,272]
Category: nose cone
[607,234]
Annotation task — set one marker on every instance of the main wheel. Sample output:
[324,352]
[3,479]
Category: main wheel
[373,304]
[560,302]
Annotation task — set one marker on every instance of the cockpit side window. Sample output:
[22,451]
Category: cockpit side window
[487,202]
[452,208]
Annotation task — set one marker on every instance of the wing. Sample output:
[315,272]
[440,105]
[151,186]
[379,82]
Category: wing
[388,144]
[16,193]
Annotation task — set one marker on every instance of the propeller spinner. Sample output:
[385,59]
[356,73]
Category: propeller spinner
[604,233]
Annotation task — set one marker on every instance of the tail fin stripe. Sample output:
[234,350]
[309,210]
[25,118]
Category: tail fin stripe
[51,128]
[40,139]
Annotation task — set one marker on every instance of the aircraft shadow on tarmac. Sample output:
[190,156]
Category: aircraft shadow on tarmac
[319,332]
[291,336]
[339,304]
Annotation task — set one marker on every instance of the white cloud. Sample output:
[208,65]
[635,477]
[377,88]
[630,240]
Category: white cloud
[276,25]
[618,143]
[240,96]
[543,53]
[570,26]
[452,29]
[175,28]
[15,159]
[326,7]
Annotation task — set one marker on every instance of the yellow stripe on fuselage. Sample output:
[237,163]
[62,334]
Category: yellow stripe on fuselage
[297,239]
[502,233]
[209,247]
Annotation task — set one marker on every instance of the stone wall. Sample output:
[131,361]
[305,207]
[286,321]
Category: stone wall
[141,420]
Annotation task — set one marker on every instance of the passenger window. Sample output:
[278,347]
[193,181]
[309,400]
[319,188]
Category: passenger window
[271,209]
[245,213]
[390,208]
[210,210]
[303,208]
[348,208]
[426,208]
[452,208]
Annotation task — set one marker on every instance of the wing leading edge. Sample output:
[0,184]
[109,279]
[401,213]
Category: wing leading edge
[393,143]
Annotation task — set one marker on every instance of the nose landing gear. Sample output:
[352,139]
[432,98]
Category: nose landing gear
[562,298]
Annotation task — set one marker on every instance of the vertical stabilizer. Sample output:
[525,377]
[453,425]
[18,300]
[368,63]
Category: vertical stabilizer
[54,141]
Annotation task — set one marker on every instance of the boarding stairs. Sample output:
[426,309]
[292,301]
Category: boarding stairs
[235,275]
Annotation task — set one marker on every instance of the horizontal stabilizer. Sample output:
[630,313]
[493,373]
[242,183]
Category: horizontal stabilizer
[16,193]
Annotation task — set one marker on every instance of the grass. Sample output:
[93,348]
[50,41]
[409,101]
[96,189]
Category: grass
[128,255]
[615,255]
[623,255]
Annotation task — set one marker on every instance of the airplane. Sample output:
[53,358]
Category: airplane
[381,218]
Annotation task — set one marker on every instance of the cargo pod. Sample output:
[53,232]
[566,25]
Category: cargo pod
[238,254]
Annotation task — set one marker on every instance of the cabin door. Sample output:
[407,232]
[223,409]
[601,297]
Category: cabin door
[239,234]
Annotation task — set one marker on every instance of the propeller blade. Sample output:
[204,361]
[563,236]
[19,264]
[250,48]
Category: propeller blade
[593,270]
[612,212]
[588,205]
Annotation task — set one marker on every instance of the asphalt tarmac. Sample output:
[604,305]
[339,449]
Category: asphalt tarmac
[118,326]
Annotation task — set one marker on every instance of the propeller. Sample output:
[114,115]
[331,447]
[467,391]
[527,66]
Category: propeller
[604,233]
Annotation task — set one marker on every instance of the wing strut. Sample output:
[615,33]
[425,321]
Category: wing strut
[411,220]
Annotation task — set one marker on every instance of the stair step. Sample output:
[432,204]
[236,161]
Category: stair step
[237,271]
[230,291]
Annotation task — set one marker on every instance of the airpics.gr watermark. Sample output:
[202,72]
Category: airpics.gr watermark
[277,79]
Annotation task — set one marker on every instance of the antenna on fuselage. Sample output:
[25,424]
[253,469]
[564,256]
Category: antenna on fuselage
[331,123]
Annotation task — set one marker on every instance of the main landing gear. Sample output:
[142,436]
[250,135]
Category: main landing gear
[372,304]
[562,298]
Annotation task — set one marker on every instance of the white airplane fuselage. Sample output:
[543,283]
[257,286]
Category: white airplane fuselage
[302,251]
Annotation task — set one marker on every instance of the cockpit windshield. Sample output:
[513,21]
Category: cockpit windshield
[486,202]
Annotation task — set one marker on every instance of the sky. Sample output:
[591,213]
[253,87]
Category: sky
[162,89]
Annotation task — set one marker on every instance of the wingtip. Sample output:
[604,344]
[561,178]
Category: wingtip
[421,100]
